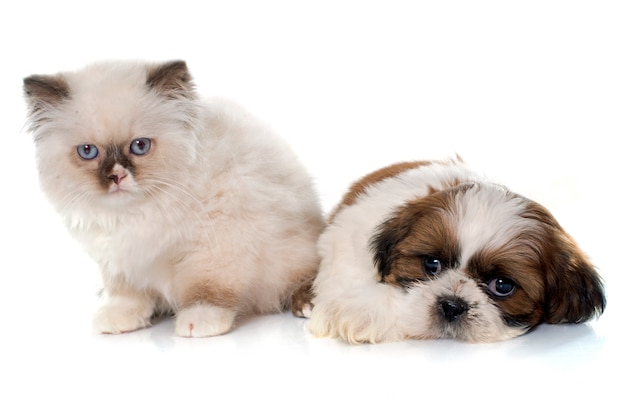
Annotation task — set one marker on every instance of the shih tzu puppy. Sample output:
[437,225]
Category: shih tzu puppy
[430,250]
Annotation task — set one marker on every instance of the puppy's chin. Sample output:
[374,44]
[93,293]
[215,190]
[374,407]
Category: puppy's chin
[382,312]
[457,308]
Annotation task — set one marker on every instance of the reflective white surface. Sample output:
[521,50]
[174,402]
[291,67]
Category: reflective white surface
[532,94]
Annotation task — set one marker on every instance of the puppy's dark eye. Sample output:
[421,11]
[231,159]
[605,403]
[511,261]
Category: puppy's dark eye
[501,287]
[432,266]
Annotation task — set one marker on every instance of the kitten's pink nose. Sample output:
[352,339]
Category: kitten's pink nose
[116,178]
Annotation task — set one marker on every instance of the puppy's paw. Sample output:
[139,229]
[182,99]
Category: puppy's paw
[122,315]
[204,320]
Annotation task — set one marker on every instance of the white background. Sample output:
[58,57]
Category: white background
[532,93]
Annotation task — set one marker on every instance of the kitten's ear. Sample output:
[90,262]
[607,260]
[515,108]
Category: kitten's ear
[171,79]
[43,91]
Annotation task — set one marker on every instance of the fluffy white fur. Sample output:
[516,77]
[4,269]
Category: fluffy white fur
[219,219]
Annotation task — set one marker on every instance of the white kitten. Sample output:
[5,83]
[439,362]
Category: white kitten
[188,206]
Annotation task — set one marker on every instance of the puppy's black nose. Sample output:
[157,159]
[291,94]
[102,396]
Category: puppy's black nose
[452,308]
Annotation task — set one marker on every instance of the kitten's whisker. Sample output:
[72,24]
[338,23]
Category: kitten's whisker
[176,208]
[75,198]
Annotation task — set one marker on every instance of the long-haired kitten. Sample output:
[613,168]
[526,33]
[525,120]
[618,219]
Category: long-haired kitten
[188,206]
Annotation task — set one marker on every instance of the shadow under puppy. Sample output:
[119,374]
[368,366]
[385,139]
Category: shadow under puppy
[188,205]
[430,250]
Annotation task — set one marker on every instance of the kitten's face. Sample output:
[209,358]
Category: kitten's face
[113,172]
[112,136]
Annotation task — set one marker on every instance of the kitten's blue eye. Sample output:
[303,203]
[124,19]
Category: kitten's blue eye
[140,146]
[501,287]
[87,152]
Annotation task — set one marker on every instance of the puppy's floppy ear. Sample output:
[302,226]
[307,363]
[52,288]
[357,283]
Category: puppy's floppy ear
[574,292]
[386,238]
[424,223]
[171,79]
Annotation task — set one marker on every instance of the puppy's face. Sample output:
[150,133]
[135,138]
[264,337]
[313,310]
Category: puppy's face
[484,264]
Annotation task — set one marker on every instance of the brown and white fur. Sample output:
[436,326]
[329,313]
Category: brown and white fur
[189,206]
[432,250]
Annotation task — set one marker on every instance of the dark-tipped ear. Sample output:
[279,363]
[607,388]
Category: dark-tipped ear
[574,290]
[386,238]
[45,91]
[171,79]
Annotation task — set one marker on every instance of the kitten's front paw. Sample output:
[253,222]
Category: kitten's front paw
[302,301]
[122,315]
[204,320]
